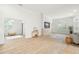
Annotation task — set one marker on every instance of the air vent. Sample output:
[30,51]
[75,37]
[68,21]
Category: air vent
[20,4]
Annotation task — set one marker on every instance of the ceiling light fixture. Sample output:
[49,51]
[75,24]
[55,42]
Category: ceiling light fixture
[74,10]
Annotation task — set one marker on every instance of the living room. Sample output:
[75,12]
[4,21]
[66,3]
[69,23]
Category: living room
[39,27]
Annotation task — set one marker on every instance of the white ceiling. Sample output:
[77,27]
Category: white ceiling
[52,8]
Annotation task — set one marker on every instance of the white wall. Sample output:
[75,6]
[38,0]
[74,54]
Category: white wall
[34,21]
[30,18]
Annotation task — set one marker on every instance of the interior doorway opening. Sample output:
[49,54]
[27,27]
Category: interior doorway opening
[13,28]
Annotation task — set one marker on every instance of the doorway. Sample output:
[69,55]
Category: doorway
[13,28]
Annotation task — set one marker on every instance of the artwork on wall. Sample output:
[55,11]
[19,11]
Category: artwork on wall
[46,24]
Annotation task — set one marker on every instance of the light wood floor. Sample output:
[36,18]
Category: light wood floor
[40,45]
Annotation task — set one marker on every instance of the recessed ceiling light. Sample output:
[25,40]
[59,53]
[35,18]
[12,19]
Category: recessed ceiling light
[74,10]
